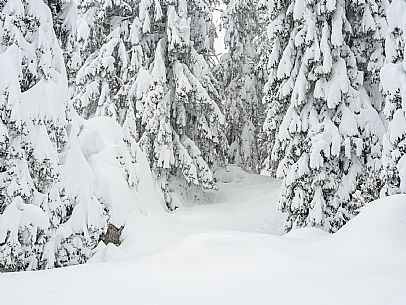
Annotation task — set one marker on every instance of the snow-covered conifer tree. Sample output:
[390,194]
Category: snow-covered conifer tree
[316,86]
[145,63]
[36,206]
[368,23]
[33,131]
[84,28]
[237,72]
[393,78]
[176,94]
[95,38]
[277,88]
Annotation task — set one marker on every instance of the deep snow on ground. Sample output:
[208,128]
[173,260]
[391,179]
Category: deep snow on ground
[244,202]
[224,251]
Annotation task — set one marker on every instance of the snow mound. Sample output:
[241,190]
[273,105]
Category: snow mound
[306,233]
[189,257]
[230,174]
[383,217]
[380,228]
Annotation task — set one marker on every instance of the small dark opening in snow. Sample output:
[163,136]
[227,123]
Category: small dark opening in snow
[112,235]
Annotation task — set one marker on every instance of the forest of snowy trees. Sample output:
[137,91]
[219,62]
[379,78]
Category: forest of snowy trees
[97,96]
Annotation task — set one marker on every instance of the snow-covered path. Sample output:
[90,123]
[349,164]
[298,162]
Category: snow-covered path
[230,252]
[244,202]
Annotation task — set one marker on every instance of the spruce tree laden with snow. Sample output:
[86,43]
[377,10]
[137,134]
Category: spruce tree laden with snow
[262,70]
[176,93]
[278,86]
[38,214]
[393,78]
[368,23]
[32,134]
[84,26]
[237,71]
[97,40]
[315,85]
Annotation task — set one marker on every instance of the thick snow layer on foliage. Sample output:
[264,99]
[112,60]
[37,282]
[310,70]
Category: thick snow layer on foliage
[97,157]
[324,107]
[393,80]
[188,258]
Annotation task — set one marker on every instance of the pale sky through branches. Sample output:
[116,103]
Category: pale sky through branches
[219,42]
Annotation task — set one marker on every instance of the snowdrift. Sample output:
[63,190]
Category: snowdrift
[381,218]
[187,258]
[380,229]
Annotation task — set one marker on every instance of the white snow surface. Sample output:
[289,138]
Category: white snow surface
[231,250]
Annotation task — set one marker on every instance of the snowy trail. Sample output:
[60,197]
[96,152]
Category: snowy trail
[244,202]
[226,252]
